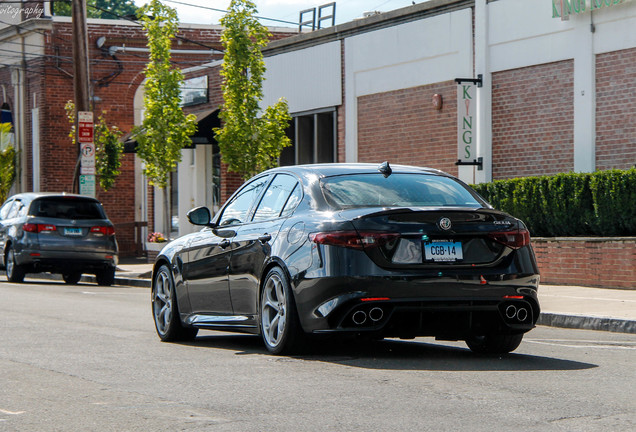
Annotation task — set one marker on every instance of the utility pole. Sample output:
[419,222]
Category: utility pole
[81,76]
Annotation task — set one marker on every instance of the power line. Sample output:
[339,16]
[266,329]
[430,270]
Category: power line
[225,11]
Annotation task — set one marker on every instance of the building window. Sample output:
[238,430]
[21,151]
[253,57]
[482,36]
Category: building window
[313,138]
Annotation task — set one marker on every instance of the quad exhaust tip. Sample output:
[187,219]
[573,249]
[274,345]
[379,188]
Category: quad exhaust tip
[360,317]
[512,312]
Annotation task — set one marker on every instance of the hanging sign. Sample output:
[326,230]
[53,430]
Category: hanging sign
[466,120]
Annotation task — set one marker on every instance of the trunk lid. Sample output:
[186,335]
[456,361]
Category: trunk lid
[436,237]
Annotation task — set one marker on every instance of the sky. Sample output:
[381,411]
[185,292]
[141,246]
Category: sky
[285,10]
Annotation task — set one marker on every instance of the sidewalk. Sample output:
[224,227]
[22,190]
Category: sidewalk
[561,306]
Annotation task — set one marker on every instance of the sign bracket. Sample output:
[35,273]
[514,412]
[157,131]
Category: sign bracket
[477,81]
[479,162]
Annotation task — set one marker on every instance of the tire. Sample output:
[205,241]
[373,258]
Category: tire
[165,310]
[15,272]
[71,278]
[105,277]
[280,326]
[494,343]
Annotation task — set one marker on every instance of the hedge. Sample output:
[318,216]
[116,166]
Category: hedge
[572,204]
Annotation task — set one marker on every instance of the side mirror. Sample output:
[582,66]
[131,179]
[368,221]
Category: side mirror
[199,216]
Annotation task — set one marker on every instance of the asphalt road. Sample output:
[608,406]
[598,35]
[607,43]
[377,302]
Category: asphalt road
[87,358]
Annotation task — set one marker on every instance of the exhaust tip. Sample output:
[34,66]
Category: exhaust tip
[522,314]
[511,311]
[376,314]
[359,317]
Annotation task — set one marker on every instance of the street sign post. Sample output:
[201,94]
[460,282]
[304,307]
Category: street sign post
[85,137]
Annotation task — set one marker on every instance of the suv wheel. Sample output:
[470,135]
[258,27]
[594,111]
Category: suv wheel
[15,272]
[72,278]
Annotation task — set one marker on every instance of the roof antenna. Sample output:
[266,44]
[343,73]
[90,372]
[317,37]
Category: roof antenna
[385,169]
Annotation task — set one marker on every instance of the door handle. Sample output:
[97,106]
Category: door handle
[265,238]
[224,244]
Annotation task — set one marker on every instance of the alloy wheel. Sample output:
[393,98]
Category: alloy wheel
[274,310]
[162,302]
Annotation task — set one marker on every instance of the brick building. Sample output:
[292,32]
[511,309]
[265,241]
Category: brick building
[36,75]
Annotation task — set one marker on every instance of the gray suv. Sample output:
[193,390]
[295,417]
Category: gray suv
[57,233]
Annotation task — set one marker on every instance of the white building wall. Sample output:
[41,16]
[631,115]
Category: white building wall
[522,34]
[413,54]
[308,78]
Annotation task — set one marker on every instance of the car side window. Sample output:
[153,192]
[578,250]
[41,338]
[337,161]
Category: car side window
[292,201]
[275,197]
[237,210]
[4,210]
[17,206]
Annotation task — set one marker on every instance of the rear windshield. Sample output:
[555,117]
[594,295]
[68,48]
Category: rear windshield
[67,208]
[397,190]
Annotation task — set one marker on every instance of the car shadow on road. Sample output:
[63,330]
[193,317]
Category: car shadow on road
[393,354]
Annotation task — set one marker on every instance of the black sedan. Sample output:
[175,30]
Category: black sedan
[356,249]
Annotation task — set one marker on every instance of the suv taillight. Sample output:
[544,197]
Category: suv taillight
[514,239]
[104,230]
[353,239]
[38,228]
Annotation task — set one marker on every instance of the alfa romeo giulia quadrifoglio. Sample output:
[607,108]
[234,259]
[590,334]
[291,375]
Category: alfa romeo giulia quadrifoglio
[351,249]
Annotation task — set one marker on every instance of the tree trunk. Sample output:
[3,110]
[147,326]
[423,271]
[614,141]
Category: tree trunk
[166,213]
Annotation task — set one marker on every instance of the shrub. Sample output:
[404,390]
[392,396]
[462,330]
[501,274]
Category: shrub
[571,204]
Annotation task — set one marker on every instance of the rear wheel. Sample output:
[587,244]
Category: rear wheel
[105,277]
[15,272]
[71,278]
[494,343]
[165,310]
[280,326]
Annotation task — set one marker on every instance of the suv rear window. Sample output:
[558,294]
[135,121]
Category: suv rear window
[67,208]
[397,190]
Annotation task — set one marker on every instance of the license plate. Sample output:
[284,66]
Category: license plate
[443,251]
[73,231]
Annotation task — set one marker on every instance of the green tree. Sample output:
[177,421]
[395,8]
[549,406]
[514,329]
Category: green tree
[108,147]
[165,130]
[248,143]
[7,162]
[105,9]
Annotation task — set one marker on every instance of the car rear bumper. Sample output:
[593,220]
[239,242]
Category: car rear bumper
[66,261]
[409,307]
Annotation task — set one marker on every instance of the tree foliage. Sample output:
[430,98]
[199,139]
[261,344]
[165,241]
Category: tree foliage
[165,130]
[7,164]
[248,143]
[108,147]
[104,9]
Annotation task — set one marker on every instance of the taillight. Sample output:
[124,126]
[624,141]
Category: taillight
[353,239]
[38,228]
[105,230]
[29,227]
[514,239]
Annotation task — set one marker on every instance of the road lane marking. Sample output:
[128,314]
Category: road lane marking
[11,412]
[570,344]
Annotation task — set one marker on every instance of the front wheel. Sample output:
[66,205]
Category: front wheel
[494,343]
[165,310]
[280,326]
[15,272]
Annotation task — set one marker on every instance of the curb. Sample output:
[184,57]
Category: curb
[583,322]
